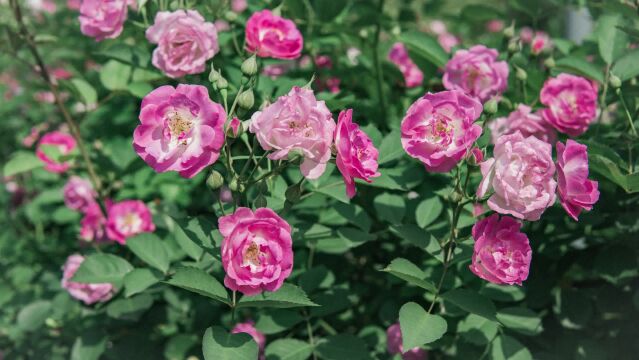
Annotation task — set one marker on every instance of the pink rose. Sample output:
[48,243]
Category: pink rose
[181,129]
[495,25]
[571,103]
[398,55]
[437,27]
[45,97]
[276,70]
[521,176]
[540,43]
[447,41]
[394,345]
[299,122]
[78,193]
[185,42]
[239,6]
[270,35]
[323,62]
[257,250]
[34,135]
[74,4]
[64,143]
[501,253]
[102,19]
[39,6]
[249,328]
[356,155]
[88,293]
[439,129]
[92,224]
[221,25]
[127,219]
[477,72]
[526,34]
[576,191]
[234,126]
[525,122]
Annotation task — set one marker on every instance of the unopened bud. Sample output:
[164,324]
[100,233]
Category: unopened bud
[615,82]
[234,128]
[215,180]
[226,196]
[214,75]
[513,46]
[363,33]
[550,63]
[455,197]
[521,74]
[396,30]
[246,99]
[249,66]
[509,32]
[230,16]
[491,106]
[221,83]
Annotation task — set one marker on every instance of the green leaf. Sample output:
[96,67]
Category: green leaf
[318,277]
[102,268]
[612,41]
[190,247]
[130,308]
[86,92]
[428,210]
[419,327]
[520,319]
[150,249]
[32,316]
[179,345]
[579,66]
[390,207]
[426,46]
[277,320]
[409,272]
[472,302]
[218,344]
[114,75]
[88,346]
[341,347]
[477,330]
[627,66]
[617,264]
[20,162]
[508,348]
[139,280]
[286,297]
[139,89]
[288,349]
[610,170]
[391,148]
[198,281]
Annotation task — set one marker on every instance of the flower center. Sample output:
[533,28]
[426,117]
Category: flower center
[299,128]
[252,254]
[130,223]
[441,130]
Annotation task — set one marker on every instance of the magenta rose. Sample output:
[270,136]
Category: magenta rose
[296,122]
[524,121]
[477,72]
[57,141]
[356,155]
[92,224]
[102,19]
[398,55]
[128,218]
[269,35]
[521,174]
[576,191]
[501,253]
[181,129]
[78,193]
[249,328]
[571,103]
[185,42]
[439,129]
[540,43]
[257,250]
[394,345]
[88,293]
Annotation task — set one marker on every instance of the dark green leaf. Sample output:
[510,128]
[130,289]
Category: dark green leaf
[139,280]
[102,268]
[218,344]
[198,281]
[472,302]
[419,327]
[425,46]
[409,272]
[150,249]
[341,347]
[287,296]
[288,349]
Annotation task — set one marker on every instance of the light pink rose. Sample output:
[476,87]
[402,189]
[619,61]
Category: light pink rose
[576,191]
[78,193]
[571,103]
[525,122]
[34,135]
[45,97]
[74,4]
[323,62]
[526,34]
[299,122]
[394,345]
[88,293]
[92,224]
[541,42]
[239,6]
[128,218]
[276,70]
[437,27]
[102,19]
[249,328]
[221,25]
[501,254]
[257,250]
[269,35]
[477,72]
[181,129]
[185,42]
[439,129]
[64,143]
[521,176]
[495,26]
[448,41]
[356,155]
[398,55]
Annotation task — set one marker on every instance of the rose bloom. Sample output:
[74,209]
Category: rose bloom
[102,19]
[540,43]
[525,122]
[526,34]
[437,27]
[239,5]
[185,42]
[447,41]
[356,155]
[181,129]
[398,55]
[576,191]
[571,103]
[257,250]
[495,25]
[394,345]
[501,254]
[296,122]
[34,135]
[477,72]
[88,293]
[127,219]
[78,193]
[65,144]
[439,129]
[276,70]
[521,175]
[269,35]
[74,4]
[249,328]
[92,224]
[221,25]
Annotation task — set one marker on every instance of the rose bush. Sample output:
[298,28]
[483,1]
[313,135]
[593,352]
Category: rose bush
[319,179]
